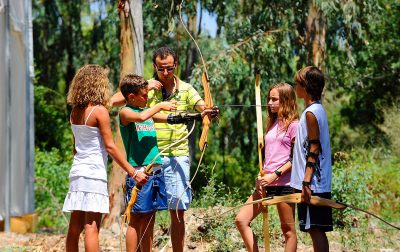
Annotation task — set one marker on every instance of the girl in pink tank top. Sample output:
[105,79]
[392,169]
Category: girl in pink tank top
[281,131]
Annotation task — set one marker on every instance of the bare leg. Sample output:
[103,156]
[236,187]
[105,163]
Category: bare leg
[146,232]
[320,241]
[243,220]
[92,228]
[135,232]
[286,216]
[75,228]
[177,230]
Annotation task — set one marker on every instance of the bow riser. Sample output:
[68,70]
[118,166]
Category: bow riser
[208,104]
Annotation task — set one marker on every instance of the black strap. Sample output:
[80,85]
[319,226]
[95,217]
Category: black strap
[186,118]
[291,153]
[312,154]
[315,141]
[311,164]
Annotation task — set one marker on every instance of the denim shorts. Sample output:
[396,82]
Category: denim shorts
[151,197]
[176,172]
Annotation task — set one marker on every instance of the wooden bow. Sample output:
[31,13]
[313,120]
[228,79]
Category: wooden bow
[137,188]
[296,198]
[260,144]
[208,104]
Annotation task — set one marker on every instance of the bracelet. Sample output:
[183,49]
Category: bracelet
[134,176]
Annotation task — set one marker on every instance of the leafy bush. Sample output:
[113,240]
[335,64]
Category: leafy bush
[350,184]
[52,177]
[391,126]
[52,128]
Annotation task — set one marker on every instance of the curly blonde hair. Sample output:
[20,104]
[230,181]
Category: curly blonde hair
[287,106]
[89,86]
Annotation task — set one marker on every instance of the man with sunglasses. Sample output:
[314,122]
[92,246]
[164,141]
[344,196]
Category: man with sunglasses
[166,86]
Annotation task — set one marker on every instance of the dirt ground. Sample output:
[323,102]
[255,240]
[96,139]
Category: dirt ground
[110,241]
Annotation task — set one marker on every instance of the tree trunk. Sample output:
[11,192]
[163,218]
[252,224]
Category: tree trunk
[315,37]
[131,62]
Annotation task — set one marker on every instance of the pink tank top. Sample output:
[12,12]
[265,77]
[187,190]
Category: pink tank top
[277,150]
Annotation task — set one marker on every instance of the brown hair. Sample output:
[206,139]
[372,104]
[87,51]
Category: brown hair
[287,106]
[132,84]
[90,85]
[313,79]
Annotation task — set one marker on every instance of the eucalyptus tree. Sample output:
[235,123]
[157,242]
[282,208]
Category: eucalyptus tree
[355,42]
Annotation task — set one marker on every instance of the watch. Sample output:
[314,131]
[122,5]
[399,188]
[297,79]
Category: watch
[278,173]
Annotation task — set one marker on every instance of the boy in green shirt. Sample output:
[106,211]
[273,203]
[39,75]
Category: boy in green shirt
[140,141]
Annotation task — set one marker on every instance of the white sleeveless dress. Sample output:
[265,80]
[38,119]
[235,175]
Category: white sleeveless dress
[88,176]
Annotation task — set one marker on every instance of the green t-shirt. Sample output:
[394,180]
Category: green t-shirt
[140,141]
[187,97]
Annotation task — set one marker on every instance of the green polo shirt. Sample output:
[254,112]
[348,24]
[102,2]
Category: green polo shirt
[187,97]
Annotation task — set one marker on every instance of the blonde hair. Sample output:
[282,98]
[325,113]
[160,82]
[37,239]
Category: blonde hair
[89,86]
[287,106]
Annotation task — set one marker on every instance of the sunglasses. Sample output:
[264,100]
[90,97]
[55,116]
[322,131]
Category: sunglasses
[169,69]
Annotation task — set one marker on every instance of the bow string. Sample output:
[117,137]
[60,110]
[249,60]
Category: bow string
[208,104]
[296,198]
[137,188]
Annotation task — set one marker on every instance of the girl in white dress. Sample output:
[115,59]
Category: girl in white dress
[87,198]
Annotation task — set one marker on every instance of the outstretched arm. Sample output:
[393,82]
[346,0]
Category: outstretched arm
[117,100]
[127,115]
[182,118]
[103,120]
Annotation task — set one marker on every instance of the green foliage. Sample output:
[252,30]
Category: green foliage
[362,58]
[390,126]
[213,195]
[52,176]
[52,128]
[70,34]
[385,187]
[350,184]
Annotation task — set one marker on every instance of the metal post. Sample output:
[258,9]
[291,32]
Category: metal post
[31,113]
[7,224]
[29,182]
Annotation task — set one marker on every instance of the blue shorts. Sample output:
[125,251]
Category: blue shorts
[151,197]
[176,172]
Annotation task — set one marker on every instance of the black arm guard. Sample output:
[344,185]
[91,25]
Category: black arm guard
[291,153]
[186,118]
[317,167]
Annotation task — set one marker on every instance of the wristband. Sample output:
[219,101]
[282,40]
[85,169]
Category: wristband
[307,184]
[134,176]
[278,173]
